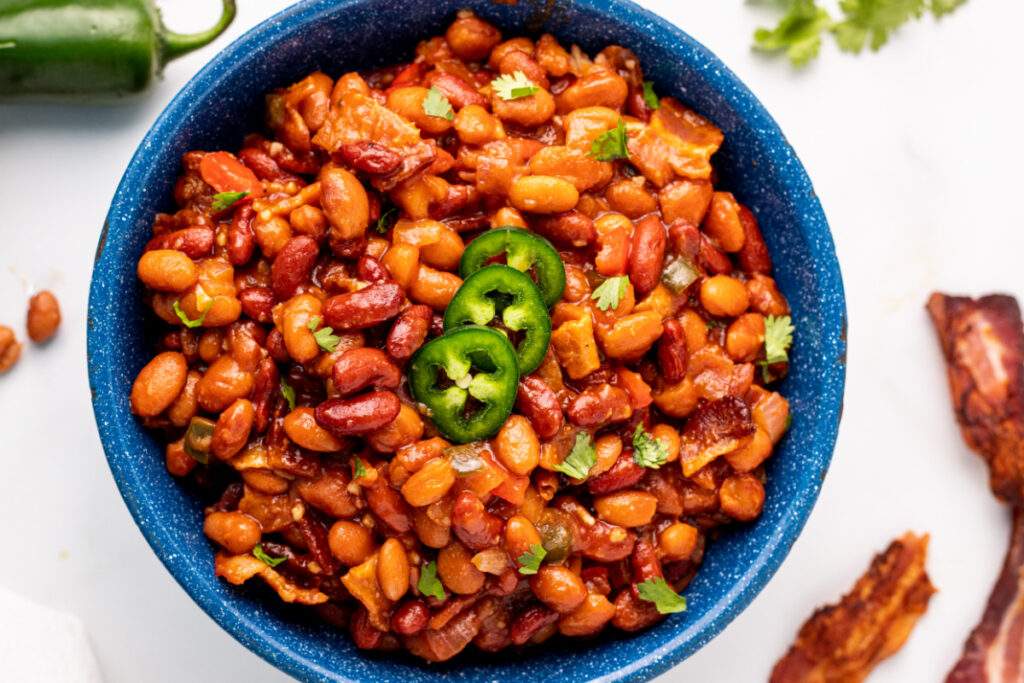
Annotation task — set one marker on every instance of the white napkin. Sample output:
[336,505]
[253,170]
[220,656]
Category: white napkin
[43,645]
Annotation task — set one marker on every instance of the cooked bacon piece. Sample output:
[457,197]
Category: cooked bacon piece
[677,142]
[994,652]
[237,569]
[983,341]
[843,643]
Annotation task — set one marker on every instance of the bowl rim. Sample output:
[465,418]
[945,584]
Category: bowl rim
[739,596]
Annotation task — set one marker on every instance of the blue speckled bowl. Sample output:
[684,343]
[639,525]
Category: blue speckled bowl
[225,100]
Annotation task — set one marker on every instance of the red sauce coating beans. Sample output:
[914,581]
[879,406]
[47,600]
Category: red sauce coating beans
[293,312]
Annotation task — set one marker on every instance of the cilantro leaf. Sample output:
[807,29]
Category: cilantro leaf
[610,292]
[666,600]
[778,337]
[798,33]
[874,19]
[611,144]
[648,451]
[325,337]
[529,562]
[188,322]
[225,200]
[437,105]
[359,469]
[650,98]
[289,394]
[429,584]
[580,459]
[387,218]
[941,8]
[514,86]
[262,556]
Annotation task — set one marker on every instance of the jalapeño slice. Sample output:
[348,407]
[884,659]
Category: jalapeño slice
[525,251]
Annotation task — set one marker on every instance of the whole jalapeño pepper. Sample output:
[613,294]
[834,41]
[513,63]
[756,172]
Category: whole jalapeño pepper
[522,250]
[468,379]
[89,48]
[506,298]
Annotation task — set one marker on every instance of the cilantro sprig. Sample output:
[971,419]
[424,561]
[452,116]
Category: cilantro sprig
[529,562]
[610,292]
[437,105]
[359,469]
[650,97]
[189,322]
[222,201]
[665,600]
[778,337]
[260,554]
[611,144]
[514,86]
[580,459]
[325,337]
[864,22]
[648,451]
[388,217]
[289,394]
[429,584]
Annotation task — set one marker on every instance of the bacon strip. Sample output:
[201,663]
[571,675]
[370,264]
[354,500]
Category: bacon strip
[843,643]
[983,341]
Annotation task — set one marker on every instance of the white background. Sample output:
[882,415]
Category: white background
[915,153]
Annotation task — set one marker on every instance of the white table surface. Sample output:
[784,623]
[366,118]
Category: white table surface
[915,153]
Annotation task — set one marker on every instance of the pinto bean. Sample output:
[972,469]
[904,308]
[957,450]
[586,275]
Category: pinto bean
[158,384]
[232,429]
[292,266]
[364,308]
[409,332]
[539,403]
[647,255]
[167,270]
[237,532]
[344,202]
[195,242]
[43,316]
[559,588]
[363,367]
[223,382]
[360,415]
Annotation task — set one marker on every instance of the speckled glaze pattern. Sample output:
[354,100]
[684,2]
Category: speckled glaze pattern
[224,101]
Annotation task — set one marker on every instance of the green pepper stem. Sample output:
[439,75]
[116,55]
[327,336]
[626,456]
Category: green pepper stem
[177,44]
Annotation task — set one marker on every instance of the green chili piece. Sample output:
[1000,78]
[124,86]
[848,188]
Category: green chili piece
[523,250]
[468,380]
[89,48]
[503,296]
[198,437]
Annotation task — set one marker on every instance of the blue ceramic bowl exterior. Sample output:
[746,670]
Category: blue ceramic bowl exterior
[225,100]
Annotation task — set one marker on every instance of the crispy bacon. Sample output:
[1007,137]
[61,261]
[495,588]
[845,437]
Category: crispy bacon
[843,643]
[237,569]
[983,341]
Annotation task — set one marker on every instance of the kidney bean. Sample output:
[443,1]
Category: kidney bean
[459,92]
[529,622]
[644,562]
[241,235]
[685,239]
[409,332]
[539,403]
[370,157]
[371,270]
[257,303]
[293,265]
[606,542]
[360,415]
[364,634]
[647,255]
[314,533]
[364,308]
[598,405]
[410,617]
[623,474]
[264,390]
[754,256]
[568,229]
[389,507]
[195,242]
[262,164]
[348,248]
[475,527]
[713,259]
[672,351]
[275,346]
[363,367]
[459,199]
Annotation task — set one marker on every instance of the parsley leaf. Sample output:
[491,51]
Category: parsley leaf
[429,584]
[185,320]
[666,600]
[325,337]
[437,105]
[225,200]
[514,86]
[778,337]
[650,98]
[611,144]
[359,469]
[580,459]
[387,218]
[262,556]
[648,451]
[610,292]
[289,394]
[529,562]
[798,32]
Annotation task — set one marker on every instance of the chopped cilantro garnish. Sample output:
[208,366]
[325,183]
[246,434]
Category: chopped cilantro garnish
[648,451]
[262,556]
[666,600]
[514,86]
[325,337]
[529,562]
[188,322]
[580,459]
[610,292]
[429,584]
[225,200]
[436,104]
[650,98]
[289,394]
[611,144]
